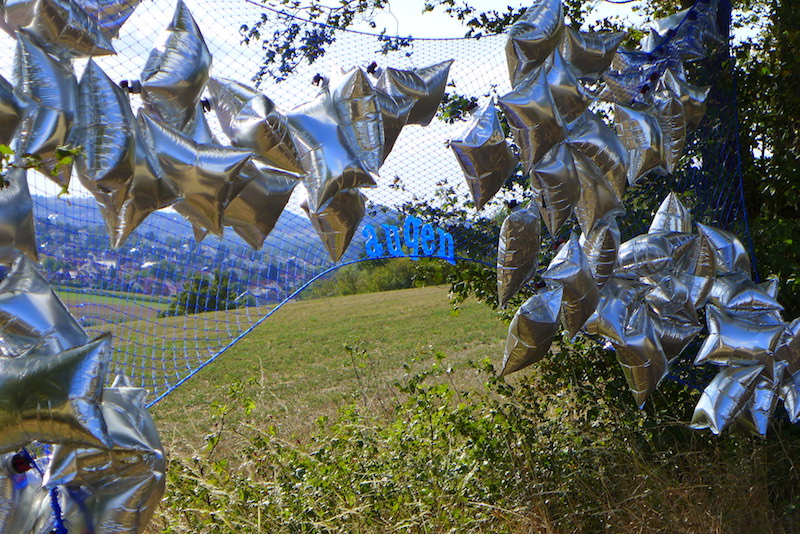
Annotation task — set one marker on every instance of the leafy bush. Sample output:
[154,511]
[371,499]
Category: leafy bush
[205,293]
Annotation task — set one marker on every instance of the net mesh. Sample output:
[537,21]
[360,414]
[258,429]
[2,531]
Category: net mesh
[128,291]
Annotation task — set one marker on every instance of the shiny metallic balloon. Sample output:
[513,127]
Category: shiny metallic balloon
[329,165]
[738,294]
[201,174]
[601,246]
[788,348]
[533,37]
[16,214]
[124,481]
[725,397]
[337,222]
[255,210]
[675,335]
[105,130]
[425,85]
[643,361]
[699,260]
[668,110]
[14,105]
[589,54]
[176,71]
[517,251]
[21,494]
[670,298]
[634,86]
[644,255]
[53,85]
[591,136]
[484,155]
[53,398]
[110,14]
[251,120]
[671,216]
[640,132]
[32,318]
[619,298]
[62,27]
[356,103]
[569,95]
[535,121]
[693,98]
[556,187]
[532,330]
[790,395]
[729,252]
[756,416]
[597,199]
[570,270]
[395,110]
[737,341]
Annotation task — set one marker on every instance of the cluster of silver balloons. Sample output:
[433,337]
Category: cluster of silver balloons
[102,453]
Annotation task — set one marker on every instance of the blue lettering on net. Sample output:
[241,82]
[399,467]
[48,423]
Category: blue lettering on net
[413,239]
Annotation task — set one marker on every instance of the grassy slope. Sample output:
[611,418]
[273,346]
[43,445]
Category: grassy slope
[303,370]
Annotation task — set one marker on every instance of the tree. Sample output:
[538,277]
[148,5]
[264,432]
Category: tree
[205,293]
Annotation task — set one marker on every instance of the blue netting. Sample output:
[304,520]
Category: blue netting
[126,291]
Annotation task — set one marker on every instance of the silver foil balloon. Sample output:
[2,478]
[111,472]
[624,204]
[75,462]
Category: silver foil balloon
[644,255]
[202,174]
[532,330]
[425,85]
[556,187]
[601,246]
[329,165]
[395,110]
[32,318]
[63,27]
[738,294]
[570,270]
[670,298]
[484,155]
[589,54]
[535,121]
[105,130]
[16,214]
[21,494]
[729,252]
[337,222]
[53,398]
[619,298]
[788,348]
[681,244]
[671,216]
[756,416]
[570,96]
[642,359]
[356,103]
[675,335]
[251,120]
[110,14]
[640,132]
[176,71]
[790,395]
[725,397]
[533,37]
[254,212]
[14,105]
[591,136]
[668,110]
[124,481]
[693,98]
[632,87]
[53,85]
[517,251]
[737,341]
[597,199]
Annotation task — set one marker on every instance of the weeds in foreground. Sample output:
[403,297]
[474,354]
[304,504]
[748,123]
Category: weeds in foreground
[562,451]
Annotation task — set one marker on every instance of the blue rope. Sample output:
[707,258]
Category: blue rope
[59,526]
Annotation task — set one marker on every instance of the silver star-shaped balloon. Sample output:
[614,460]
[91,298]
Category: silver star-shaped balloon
[790,395]
[536,123]
[517,251]
[619,298]
[668,110]
[601,246]
[176,71]
[556,187]
[395,110]
[532,330]
[54,398]
[693,98]
[569,95]
[644,255]
[737,341]
[14,105]
[729,252]
[725,397]
[337,222]
[739,295]
[16,214]
[671,216]
[110,14]
[570,270]
[425,85]
[21,494]
[589,54]
[756,416]
[329,165]
[641,133]
[788,348]
[202,174]
[254,212]
[355,101]
[640,354]
[597,199]
[484,155]
[591,136]
[251,120]
[533,37]
[32,318]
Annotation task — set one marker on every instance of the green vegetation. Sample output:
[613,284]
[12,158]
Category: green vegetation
[204,293]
